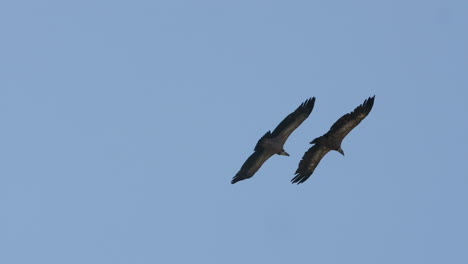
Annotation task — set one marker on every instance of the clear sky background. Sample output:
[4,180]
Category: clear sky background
[123,122]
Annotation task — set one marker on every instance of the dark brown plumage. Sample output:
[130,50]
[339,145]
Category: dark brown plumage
[331,140]
[273,143]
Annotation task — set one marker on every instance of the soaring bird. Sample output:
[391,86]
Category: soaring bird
[273,143]
[331,140]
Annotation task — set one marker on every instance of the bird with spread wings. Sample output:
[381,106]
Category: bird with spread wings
[331,140]
[273,142]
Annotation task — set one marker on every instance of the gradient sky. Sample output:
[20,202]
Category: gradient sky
[123,122]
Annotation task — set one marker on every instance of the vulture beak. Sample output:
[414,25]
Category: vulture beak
[283,153]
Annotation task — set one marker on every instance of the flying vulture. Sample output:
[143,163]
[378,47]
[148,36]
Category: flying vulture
[331,140]
[273,143]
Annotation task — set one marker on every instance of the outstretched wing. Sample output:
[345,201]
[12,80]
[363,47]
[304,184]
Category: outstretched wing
[309,162]
[251,165]
[346,123]
[293,120]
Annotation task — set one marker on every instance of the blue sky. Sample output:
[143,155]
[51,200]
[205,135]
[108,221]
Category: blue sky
[123,123]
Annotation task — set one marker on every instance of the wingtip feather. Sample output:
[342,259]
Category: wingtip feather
[369,103]
[299,179]
[236,179]
[308,104]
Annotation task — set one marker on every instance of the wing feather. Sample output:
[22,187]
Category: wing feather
[309,162]
[293,120]
[346,123]
[252,165]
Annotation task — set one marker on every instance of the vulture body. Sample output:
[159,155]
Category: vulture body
[331,140]
[273,142]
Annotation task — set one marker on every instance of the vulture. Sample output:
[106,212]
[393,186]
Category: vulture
[273,142]
[331,140]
